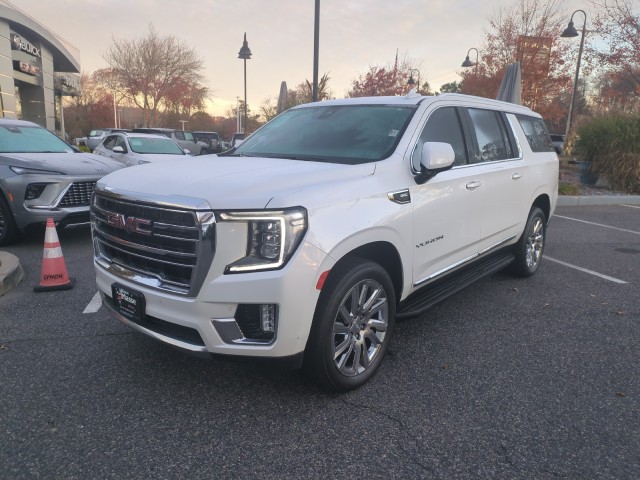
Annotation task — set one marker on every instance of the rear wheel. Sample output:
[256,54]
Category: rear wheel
[530,247]
[8,230]
[352,326]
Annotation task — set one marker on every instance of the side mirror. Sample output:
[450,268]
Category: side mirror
[187,151]
[436,157]
[118,149]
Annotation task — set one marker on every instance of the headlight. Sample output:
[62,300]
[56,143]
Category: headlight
[273,237]
[26,171]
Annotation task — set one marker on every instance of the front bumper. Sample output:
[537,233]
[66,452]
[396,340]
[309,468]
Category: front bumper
[206,323]
[52,202]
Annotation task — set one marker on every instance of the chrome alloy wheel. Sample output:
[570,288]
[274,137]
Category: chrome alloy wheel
[360,327]
[535,243]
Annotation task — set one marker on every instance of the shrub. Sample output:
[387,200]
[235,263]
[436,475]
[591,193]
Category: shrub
[612,146]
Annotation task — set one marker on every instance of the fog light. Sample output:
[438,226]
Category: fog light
[34,190]
[268,318]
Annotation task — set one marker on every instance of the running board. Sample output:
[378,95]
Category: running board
[418,302]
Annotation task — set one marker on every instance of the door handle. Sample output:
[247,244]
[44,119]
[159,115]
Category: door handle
[516,176]
[473,185]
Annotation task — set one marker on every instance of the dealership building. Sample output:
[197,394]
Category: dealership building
[37,68]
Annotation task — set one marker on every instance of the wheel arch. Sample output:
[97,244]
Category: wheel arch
[543,202]
[386,255]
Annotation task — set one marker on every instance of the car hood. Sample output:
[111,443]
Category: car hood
[66,163]
[229,182]
[159,157]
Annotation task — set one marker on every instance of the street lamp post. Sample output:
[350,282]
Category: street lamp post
[245,54]
[411,82]
[570,32]
[468,63]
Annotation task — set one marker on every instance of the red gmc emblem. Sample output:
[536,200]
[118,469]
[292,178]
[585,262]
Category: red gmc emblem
[129,224]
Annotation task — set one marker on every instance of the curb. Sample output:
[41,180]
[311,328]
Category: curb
[11,273]
[594,200]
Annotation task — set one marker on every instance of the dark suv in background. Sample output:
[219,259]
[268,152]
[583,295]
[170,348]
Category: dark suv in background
[210,138]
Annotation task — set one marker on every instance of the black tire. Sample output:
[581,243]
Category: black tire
[530,247]
[334,357]
[204,151]
[8,230]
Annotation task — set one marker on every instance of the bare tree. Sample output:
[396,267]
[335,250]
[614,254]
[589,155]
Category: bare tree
[618,23]
[146,69]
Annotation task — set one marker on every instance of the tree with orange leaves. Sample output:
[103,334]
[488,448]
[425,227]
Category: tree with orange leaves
[527,31]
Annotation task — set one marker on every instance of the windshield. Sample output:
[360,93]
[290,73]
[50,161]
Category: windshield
[154,145]
[28,139]
[348,134]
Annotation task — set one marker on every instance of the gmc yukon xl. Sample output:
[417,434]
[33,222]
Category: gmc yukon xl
[306,242]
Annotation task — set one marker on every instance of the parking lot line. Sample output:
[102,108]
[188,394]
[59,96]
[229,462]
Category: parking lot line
[591,272]
[630,206]
[94,304]
[597,224]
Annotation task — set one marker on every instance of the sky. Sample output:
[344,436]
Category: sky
[354,34]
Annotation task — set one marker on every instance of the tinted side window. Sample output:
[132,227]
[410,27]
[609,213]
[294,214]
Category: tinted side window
[120,143]
[492,142]
[536,133]
[443,126]
[110,142]
[179,135]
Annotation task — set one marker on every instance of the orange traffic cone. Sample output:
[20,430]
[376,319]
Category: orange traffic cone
[54,271]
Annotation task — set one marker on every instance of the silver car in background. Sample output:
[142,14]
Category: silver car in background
[96,136]
[43,177]
[139,148]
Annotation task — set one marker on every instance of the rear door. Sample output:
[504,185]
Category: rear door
[504,177]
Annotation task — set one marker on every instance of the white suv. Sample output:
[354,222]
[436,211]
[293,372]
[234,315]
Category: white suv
[307,241]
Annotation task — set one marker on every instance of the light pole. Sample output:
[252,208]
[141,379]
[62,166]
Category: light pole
[468,63]
[570,32]
[245,54]
[238,125]
[411,82]
[316,43]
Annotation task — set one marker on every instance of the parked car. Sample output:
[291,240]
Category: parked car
[129,148]
[182,138]
[43,177]
[305,243]
[212,139]
[97,135]
[558,143]
[237,139]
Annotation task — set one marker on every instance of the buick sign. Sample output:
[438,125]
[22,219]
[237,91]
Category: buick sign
[19,43]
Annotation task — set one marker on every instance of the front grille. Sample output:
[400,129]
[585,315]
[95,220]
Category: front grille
[78,195]
[153,245]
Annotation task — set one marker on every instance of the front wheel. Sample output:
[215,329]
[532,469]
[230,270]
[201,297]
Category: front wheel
[352,325]
[8,230]
[530,247]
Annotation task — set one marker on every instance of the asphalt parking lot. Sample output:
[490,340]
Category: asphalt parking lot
[511,378]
